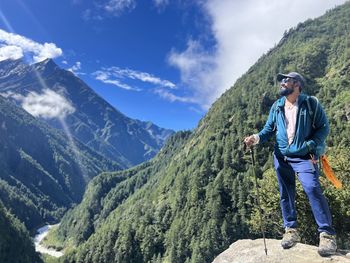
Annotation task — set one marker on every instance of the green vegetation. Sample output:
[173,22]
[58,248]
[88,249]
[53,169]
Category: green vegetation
[41,175]
[15,243]
[193,203]
[105,193]
[50,240]
[50,259]
[339,203]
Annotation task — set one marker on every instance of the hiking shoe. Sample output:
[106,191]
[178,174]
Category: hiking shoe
[328,245]
[290,238]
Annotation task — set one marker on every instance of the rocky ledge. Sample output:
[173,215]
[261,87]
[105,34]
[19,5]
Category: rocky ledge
[252,251]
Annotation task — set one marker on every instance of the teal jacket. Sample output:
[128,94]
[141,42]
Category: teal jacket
[307,139]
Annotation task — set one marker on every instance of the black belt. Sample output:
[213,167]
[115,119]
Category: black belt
[304,157]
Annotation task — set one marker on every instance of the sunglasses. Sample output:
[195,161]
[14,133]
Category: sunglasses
[286,80]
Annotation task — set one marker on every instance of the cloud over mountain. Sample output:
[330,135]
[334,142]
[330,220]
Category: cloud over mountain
[48,105]
[14,46]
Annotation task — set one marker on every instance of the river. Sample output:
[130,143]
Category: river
[41,234]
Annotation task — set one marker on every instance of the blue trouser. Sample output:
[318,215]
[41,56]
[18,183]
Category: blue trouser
[308,174]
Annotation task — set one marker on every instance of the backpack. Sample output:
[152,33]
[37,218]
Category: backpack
[311,112]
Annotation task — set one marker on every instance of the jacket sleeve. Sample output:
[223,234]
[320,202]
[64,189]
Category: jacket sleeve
[270,126]
[316,143]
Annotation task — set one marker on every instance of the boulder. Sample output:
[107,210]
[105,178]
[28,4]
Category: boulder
[252,251]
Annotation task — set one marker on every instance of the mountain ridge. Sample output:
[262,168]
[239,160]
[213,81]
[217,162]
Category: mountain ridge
[90,118]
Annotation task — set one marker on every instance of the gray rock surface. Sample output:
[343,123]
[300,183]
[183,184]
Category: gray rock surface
[252,251]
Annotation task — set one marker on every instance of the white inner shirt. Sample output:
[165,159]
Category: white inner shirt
[290,112]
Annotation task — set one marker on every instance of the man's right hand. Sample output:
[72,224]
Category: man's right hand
[249,141]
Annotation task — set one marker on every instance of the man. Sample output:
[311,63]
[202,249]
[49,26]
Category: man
[300,141]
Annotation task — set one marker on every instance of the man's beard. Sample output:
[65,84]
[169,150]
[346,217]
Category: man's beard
[286,91]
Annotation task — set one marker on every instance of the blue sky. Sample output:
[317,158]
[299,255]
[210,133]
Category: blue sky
[164,61]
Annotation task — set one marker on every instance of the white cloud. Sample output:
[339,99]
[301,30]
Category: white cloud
[48,50]
[160,4]
[106,77]
[75,68]
[47,105]
[142,76]
[99,10]
[10,52]
[243,31]
[115,75]
[196,67]
[15,46]
[91,14]
[165,94]
[116,7]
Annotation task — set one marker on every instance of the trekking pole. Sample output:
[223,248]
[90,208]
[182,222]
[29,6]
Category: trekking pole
[262,226]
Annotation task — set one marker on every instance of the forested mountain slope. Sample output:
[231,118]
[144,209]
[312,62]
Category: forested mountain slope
[202,198]
[42,170]
[15,243]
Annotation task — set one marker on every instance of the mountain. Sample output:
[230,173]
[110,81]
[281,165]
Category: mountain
[115,188]
[192,206]
[43,171]
[15,243]
[47,91]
